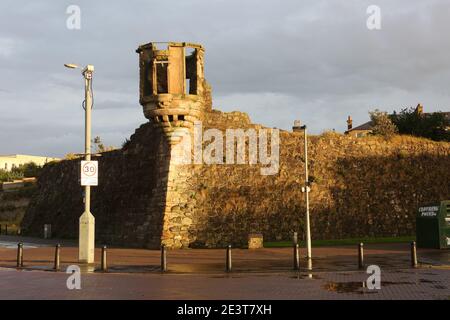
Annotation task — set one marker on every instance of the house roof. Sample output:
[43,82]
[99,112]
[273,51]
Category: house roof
[364,126]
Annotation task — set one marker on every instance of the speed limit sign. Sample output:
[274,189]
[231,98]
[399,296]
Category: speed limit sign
[89,173]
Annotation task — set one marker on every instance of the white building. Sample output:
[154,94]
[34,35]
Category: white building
[8,162]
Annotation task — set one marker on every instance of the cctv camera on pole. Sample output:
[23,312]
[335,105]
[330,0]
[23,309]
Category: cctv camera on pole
[86,249]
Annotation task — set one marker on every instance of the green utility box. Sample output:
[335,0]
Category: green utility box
[433,226]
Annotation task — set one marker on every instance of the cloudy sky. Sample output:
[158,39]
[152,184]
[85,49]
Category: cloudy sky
[277,60]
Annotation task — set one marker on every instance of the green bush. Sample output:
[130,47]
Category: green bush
[429,125]
[26,170]
[382,124]
[7,176]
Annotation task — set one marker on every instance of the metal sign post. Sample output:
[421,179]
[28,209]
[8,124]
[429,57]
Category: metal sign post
[306,189]
[86,249]
[89,172]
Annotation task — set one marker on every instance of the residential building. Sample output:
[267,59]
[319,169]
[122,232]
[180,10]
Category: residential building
[8,162]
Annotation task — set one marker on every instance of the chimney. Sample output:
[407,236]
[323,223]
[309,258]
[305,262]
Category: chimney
[296,127]
[349,123]
[419,109]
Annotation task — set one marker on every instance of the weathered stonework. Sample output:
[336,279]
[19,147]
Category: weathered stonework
[255,241]
[360,187]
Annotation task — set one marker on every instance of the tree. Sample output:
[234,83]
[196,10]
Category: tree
[31,169]
[428,125]
[382,124]
[100,147]
[7,176]
[26,170]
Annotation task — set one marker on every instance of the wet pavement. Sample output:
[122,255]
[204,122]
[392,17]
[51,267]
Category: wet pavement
[39,254]
[200,273]
[400,284]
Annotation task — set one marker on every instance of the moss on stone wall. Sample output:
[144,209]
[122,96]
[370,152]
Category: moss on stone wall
[361,187]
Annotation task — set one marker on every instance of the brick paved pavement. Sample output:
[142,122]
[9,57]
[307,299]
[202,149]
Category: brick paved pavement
[398,284]
[199,274]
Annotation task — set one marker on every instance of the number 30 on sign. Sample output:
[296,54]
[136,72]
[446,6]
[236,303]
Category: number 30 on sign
[89,173]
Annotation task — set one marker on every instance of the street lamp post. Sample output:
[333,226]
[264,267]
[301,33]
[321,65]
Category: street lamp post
[86,240]
[306,190]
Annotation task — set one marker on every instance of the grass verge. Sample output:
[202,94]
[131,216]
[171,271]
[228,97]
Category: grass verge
[341,242]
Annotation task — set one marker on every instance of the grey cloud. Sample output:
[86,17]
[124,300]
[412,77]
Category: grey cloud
[312,60]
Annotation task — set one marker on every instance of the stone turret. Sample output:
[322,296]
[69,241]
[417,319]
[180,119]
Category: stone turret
[173,90]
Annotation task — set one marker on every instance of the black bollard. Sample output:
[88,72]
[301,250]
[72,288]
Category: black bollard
[104,265]
[6,229]
[413,254]
[361,255]
[20,255]
[228,259]
[1,226]
[296,258]
[56,262]
[163,259]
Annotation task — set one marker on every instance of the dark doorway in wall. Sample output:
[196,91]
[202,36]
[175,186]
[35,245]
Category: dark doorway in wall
[191,71]
[161,77]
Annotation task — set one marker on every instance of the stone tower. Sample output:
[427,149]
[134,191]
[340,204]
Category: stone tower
[174,94]
[173,90]
[145,198]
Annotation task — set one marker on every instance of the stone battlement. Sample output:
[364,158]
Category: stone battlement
[173,90]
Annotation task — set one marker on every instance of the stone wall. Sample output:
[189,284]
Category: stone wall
[13,205]
[361,187]
[128,204]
